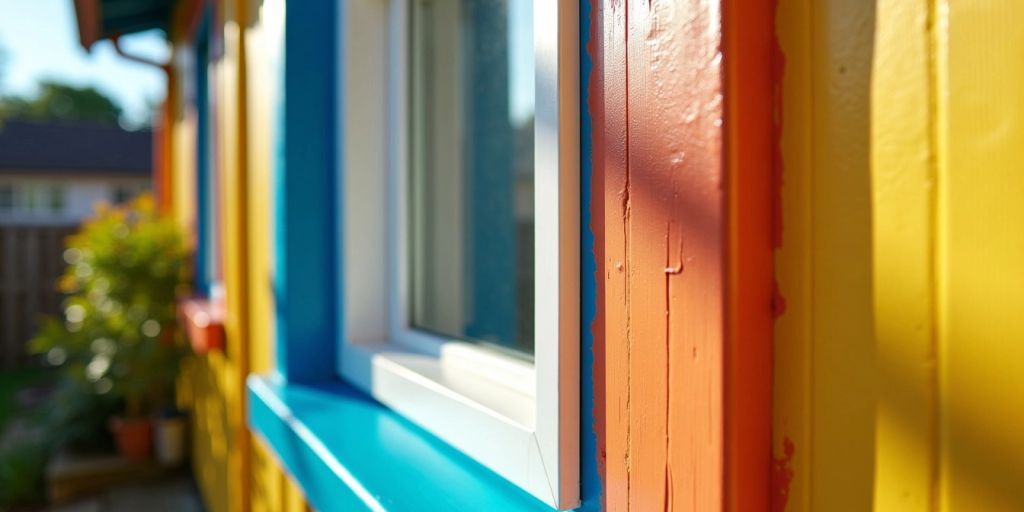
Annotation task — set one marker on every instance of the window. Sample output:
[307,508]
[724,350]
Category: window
[470,181]
[6,197]
[122,194]
[55,199]
[461,261]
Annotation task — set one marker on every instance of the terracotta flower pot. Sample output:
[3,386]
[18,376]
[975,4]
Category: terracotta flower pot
[134,437]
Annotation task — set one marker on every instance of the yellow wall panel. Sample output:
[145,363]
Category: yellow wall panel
[903,187]
[981,255]
[824,341]
[793,341]
[261,83]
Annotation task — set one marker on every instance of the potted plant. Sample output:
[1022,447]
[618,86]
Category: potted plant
[117,338]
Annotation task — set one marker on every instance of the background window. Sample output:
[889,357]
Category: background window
[6,197]
[471,178]
[123,194]
[56,198]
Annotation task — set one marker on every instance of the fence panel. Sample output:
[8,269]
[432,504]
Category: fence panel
[30,263]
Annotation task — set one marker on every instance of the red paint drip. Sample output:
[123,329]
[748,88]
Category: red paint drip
[778,301]
[778,71]
[782,476]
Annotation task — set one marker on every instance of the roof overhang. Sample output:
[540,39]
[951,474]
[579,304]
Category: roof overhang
[103,19]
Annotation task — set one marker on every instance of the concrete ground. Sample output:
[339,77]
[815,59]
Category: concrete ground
[178,494]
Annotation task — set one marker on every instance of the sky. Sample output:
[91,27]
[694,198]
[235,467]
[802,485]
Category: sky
[521,62]
[40,41]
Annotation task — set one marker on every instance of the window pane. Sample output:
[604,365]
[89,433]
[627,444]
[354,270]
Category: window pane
[471,176]
[6,197]
[56,198]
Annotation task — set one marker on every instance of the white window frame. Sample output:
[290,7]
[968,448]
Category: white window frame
[520,420]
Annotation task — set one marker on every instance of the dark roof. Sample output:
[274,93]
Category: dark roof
[100,19]
[74,148]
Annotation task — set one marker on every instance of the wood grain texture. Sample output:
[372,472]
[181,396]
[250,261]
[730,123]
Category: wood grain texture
[675,212]
[608,104]
[670,206]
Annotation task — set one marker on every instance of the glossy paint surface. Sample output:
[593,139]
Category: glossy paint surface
[683,241]
[979,249]
[824,350]
[351,453]
[306,201]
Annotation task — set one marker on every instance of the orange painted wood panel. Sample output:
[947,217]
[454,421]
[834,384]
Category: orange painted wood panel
[683,229]
[608,110]
[675,213]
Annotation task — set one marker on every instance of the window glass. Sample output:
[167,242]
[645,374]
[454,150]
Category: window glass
[471,176]
[56,199]
[122,194]
[6,197]
[30,197]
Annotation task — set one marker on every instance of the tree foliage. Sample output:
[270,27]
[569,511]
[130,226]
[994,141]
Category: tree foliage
[63,102]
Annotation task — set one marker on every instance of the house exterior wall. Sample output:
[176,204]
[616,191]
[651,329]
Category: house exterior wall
[81,195]
[898,127]
[799,254]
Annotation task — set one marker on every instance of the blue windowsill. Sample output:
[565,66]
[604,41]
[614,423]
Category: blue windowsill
[349,452]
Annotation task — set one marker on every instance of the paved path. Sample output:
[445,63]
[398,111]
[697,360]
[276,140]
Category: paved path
[174,495]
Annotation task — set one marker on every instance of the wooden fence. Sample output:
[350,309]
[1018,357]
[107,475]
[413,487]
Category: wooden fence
[31,260]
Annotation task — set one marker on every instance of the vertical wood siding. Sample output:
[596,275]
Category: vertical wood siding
[901,136]
[979,68]
[31,260]
[663,185]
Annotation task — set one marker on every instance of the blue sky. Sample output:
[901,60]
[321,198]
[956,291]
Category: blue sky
[40,40]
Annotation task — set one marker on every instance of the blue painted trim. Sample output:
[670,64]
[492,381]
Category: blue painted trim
[349,452]
[590,476]
[203,272]
[306,198]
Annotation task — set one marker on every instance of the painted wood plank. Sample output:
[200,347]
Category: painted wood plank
[753,225]
[677,249]
[843,405]
[980,246]
[231,130]
[792,386]
[903,157]
[374,459]
[611,179]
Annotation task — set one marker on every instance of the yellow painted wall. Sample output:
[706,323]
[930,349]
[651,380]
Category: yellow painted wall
[234,471]
[213,385]
[824,349]
[980,254]
[900,356]
[272,490]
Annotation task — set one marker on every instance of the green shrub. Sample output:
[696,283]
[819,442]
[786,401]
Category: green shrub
[116,341]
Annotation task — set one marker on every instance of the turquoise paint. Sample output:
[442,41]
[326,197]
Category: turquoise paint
[305,259]
[590,475]
[398,465]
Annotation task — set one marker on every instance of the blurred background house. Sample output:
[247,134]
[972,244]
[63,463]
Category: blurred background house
[53,174]
[74,133]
